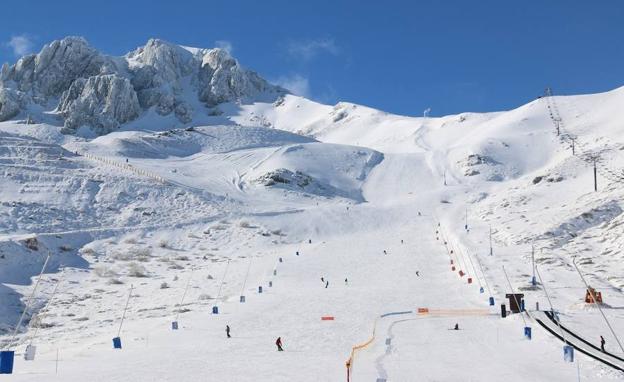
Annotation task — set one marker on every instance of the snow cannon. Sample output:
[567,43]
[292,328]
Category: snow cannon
[242,299]
[481,290]
[174,325]
[6,361]
[117,343]
[492,301]
[281,260]
[260,289]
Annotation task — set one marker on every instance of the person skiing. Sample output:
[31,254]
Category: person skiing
[227,331]
[418,273]
[456,327]
[346,281]
[278,343]
[602,343]
[322,279]
[326,284]
[401,241]
[385,253]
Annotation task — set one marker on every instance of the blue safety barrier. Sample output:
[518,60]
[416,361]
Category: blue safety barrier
[174,325]
[6,361]
[117,343]
[260,289]
[481,290]
[568,353]
[527,332]
[280,260]
[533,281]
[491,301]
[215,310]
[242,299]
[522,305]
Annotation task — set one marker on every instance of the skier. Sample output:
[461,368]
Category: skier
[322,279]
[602,343]
[401,241]
[309,241]
[418,273]
[346,281]
[227,331]
[385,253]
[126,160]
[297,253]
[278,342]
[326,284]
[456,327]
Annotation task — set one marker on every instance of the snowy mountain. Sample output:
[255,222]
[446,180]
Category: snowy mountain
[177,172]
[84,87]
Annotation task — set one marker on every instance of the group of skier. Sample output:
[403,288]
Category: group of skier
[278,342]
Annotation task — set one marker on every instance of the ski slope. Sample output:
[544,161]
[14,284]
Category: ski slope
[361,182]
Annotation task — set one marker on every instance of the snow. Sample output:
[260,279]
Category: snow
[360,182]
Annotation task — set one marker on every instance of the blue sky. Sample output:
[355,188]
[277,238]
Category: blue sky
[398,56]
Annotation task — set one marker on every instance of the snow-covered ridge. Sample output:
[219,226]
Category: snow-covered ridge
[87,88]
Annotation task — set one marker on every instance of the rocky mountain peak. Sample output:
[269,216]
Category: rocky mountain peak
[88,88]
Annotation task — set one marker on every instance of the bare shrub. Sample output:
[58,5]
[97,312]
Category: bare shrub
[137,270]
[104,271]
[87,251]
[130,240]
[163,243]
[164,285]
[32,243]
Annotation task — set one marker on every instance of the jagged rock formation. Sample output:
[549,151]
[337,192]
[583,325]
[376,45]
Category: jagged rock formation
[87,88]
[102,102]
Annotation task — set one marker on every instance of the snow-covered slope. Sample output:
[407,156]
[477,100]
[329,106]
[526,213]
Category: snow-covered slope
[376,204]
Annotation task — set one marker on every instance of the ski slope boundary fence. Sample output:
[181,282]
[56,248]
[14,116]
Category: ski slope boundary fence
[125,166]
[349,363]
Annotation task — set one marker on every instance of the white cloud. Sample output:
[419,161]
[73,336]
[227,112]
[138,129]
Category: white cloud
[307,50]
[296,84]
[225,45]
[20,44]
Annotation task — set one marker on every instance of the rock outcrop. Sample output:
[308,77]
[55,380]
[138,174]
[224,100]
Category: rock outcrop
[91,89]
[102,102]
